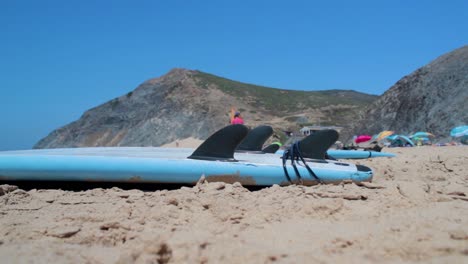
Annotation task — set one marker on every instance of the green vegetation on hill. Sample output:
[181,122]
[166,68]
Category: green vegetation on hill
[280,100]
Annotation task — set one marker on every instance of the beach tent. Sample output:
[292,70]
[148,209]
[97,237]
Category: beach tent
[459,131]
[401,141]
[464,140]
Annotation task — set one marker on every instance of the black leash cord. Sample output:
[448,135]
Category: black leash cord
[294,154]
[289,154]
[285,158]
[294,158]
[311,172]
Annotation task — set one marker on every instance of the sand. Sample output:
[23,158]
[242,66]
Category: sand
[184,143]
[415,210]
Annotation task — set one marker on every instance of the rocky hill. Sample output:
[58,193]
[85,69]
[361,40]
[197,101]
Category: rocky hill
[188,103]
[434,98]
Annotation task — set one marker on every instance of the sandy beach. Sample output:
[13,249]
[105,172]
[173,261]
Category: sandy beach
[184,143]
[415,210]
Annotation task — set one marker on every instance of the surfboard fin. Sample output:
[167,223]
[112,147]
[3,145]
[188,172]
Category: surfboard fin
[222,144]
[272,148]
[316,145]
[255,139]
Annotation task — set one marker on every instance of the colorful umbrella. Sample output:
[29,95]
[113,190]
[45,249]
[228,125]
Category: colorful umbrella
[420,138]
[362,138]
[384,134]
[459,131]
[422,134]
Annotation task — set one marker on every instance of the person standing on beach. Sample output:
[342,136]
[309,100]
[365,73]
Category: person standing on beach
[237,120]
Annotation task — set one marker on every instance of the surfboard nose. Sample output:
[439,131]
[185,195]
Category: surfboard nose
[365,169]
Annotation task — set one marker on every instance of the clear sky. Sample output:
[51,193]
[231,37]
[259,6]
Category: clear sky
[60,58]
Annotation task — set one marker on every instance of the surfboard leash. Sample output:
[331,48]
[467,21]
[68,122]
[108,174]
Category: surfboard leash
[311,172]
[295,155]
[285,157]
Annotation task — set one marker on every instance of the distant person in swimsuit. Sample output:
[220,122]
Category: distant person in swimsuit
[237,120]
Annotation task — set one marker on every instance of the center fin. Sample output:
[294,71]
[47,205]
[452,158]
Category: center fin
[272,148]
[221,145]
[255,139]
[316,145]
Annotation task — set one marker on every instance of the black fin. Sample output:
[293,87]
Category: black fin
[272,148]
[255,139]
[363,168]
[316,145]
[221,145]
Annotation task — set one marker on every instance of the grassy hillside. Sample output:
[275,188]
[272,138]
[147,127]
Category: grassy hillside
[280,101]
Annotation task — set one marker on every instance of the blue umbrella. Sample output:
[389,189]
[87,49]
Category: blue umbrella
[421,134]
[420,138]
[459,131]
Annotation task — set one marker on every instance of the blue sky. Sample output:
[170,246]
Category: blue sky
[60,58]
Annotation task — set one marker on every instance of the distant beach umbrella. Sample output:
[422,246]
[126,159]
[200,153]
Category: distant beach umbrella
[422,134]
[459,131]
[384,134]
[362,138]
[421,138]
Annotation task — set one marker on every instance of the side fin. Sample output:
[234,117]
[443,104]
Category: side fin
[255,139]
[316,145]
[272,148]
[221,145]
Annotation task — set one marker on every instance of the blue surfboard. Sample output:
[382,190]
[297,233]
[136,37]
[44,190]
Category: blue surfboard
[144,165]
[214,161]
[357,154]
[353,154]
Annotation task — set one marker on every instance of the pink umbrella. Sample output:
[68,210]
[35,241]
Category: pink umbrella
[362,138]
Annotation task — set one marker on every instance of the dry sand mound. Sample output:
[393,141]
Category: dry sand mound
[416,210]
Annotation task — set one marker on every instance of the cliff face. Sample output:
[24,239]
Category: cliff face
[434,98]
[159,111]
[186,103]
